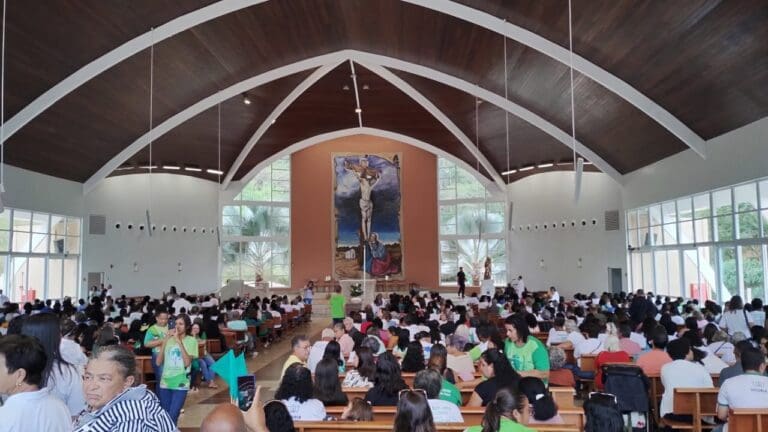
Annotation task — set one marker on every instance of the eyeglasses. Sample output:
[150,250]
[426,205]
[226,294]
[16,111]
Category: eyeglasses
[404,391]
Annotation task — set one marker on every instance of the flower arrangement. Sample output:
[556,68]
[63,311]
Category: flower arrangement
[356,290]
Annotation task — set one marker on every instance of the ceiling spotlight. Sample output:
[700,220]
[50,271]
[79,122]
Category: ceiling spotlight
[586,162]
[366,87]
[124,168]
[171,167]
[246,100]
[358,110]
[345,87]
[526,168]
[273,121]
[509,172]
[148,167]
[566,163]
[215,172]
[192,168]
[546,165]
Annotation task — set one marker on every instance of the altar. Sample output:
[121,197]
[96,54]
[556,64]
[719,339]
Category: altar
[369,290]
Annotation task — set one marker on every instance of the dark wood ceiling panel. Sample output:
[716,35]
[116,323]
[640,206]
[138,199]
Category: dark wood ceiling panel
[708,66]
[194,143]
[327,107]
[49,40]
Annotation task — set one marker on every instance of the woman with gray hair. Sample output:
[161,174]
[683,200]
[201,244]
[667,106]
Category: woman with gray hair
[457,360]
[113,403]
[558,376]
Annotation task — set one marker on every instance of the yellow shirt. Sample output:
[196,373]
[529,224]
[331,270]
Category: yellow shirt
[291,360]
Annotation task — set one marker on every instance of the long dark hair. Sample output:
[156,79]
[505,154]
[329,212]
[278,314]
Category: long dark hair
[413,414]
[277,417]
[504,404]
[438,360]
[366,364]
[388,374]
[414,358]
[333,352]
[46,328]
[297,383]
[542,404]
[403,337]
[502,370]
[327,387]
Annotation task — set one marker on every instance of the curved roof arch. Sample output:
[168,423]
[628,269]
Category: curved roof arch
[448,7]
[376,62]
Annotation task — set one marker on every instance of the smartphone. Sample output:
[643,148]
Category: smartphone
[246,391]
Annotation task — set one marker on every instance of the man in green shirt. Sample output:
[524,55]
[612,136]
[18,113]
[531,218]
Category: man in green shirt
[337,303]
[527,354]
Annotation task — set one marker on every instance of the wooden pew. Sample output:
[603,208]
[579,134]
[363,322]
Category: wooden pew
[337,426]
[569,358]
[144,368]
[748,420]
[697,402]
[542,336]
[563,396]
[471,415]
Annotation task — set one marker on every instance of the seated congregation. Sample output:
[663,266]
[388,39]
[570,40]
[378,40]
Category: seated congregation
[514,362]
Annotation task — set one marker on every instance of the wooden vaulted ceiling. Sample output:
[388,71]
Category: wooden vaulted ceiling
[706,62]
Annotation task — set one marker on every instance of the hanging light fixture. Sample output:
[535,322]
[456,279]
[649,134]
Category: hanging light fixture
[2,115]
[151,112]
[578,163]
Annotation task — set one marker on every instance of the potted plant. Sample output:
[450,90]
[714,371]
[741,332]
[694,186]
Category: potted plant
[356,293]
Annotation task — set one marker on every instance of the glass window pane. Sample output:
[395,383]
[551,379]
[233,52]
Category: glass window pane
[22,220]
[724,227]
[745,197]
[764,194]
[72,245]
[5,238]
[37,276]
[684,209]
[764,216]
[57,244]
[4,260]
[662,273]
[752,274]
[670,234]
[21,241]
[40,223]
[749,225]
[632,219]
[728,274]
[691,287]
[707,281]
[701,206]
[467,185]
[642,217]
[5,220]
[71,279]
[19,279]
[55,277]
[447,219]
[643,237]
[40,243]
[632,238]
[656,236]
[470,219]
[73,226]
[703,230]
[637,271]
[721,202]
[495,217]
[685,232]
[655,214]
[669,213]
[58,225]
[648,272]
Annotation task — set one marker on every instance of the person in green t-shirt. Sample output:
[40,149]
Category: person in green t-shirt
[506,410]
[178,350]
[337,303]
[526,353]
[154,337]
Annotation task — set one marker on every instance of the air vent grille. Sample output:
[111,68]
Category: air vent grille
[612,220]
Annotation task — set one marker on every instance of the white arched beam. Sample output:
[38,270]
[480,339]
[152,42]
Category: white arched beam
[439,115]
[474,16]
[272,117]
[309,142]
[489,96]
[106,61]
[360,57]
[206,103]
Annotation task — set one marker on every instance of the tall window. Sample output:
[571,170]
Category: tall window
[39,255]
[256,229]
[471,226]
[713,244]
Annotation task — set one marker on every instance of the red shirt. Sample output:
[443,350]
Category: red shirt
[607,357]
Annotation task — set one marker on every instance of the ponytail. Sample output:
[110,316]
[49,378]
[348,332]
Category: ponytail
[543,407]
[492,417]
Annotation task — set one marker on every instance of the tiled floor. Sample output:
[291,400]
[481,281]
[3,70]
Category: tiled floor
[266,366]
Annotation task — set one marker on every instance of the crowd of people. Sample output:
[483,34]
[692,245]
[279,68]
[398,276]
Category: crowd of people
[448,346]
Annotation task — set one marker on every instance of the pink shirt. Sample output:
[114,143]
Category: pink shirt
[629,346]
[652,361]
[347,344]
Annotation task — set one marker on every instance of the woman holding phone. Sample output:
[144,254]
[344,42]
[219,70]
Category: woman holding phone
[178,350]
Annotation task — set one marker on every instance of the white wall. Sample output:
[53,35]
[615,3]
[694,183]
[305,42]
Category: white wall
[34,191]
[737,156]
[548,198]
[176,200]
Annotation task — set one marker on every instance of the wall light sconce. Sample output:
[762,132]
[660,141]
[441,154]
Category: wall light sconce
[135,266]
[579,263]
[178,267]
[541,263]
